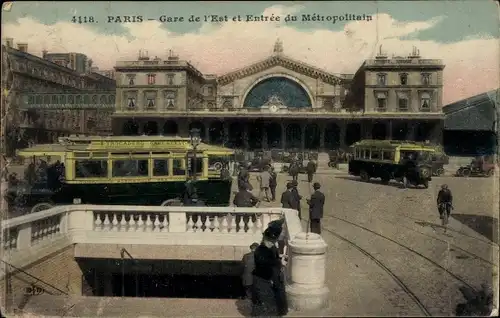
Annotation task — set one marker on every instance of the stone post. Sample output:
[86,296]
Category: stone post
[306,289]
[177,222]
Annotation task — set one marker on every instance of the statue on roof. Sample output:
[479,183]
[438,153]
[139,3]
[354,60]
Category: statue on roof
[278,47]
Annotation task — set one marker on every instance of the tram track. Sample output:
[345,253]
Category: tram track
[432,287]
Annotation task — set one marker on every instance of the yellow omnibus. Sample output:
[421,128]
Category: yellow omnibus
[131,170]
[405,161]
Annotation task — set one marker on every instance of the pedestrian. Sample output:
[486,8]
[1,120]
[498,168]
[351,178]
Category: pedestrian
[287,197]
[243,177]
[273,183]
[248,267]
[297,197]
[264,179]
[189,191]
[244,199]
[311,169]
[294,170]
[268,288]
[316,205]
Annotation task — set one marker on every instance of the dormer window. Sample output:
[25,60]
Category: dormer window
[426,79]
[381,79]
[403,78]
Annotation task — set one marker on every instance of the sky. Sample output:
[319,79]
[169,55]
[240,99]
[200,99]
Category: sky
[464,34]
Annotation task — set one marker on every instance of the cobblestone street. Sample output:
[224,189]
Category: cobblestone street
[388,254]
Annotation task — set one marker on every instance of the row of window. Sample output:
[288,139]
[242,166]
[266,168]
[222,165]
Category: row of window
[403,102]
[425,79]
[132,168]
[151,79]
[374,154]
[150,100]
[70,99]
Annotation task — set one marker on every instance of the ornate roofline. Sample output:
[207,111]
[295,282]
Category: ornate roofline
[280,60]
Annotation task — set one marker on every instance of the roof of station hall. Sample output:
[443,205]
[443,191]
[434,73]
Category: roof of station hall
[476,113]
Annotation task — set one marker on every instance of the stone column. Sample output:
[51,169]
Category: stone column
[302,136]
[207,131]
[245,136]
[225,126]
[283,136]
[412,131]
[264,137]
[343,131]
[367,129]
[306,288]
[322,128]
[388,133]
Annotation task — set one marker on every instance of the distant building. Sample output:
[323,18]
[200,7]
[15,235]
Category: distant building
[407,89]
[280,102]
[28,74]
[75,61]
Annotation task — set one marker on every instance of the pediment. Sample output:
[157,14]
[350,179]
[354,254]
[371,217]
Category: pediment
[283,61]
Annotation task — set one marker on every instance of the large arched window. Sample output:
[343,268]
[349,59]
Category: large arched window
[279,91]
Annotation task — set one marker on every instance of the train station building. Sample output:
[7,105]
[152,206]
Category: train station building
[282,103]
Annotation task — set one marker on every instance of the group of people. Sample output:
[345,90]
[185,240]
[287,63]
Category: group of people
[290,198]
[263,274]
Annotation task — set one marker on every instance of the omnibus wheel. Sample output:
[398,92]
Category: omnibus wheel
[490,172]
[218,166]
[172,202]
[364,175]
[439,172]
[41,207]
[466,173]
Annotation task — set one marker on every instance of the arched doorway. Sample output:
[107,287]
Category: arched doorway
[399,131]
[216,132]
[293,136]
[312,135]
[332,136]
[353,133]
[151,128]
[170,128]
[274,135]
[255,133]
[130,128]
[379,131]
[235,135]
[424,131]
[277,91]
[199,125]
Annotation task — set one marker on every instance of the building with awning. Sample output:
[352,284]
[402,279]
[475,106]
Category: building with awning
[471,124]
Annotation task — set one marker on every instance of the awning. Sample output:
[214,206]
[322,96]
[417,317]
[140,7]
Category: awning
[425,95]
[402,95]
[381,95]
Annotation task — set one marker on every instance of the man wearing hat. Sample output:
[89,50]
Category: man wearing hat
[297,197]
[248,267]
[287,199]
[316,204]
[268,292]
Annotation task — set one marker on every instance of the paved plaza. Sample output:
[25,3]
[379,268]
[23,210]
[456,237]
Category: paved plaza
[387,253]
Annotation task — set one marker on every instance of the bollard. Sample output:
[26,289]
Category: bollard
[306,289]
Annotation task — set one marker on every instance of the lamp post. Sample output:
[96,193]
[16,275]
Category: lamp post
[195,139]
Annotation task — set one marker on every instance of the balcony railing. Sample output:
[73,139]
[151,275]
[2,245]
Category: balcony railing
[31,237]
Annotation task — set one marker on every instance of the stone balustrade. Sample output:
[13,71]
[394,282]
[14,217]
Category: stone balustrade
[31,237]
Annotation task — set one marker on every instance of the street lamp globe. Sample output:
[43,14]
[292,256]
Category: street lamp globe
[194,134]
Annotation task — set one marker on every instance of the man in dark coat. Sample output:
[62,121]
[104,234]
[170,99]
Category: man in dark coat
[243,178]
[311,169]
[273,183]
[244,199]
[316,205]
[248,267]
[189,191]
[287,200]
[294,170]
[297,197]
[268,292]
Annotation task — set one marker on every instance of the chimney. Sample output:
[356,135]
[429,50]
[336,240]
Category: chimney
[44,53]
[9,42]
[23,47]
